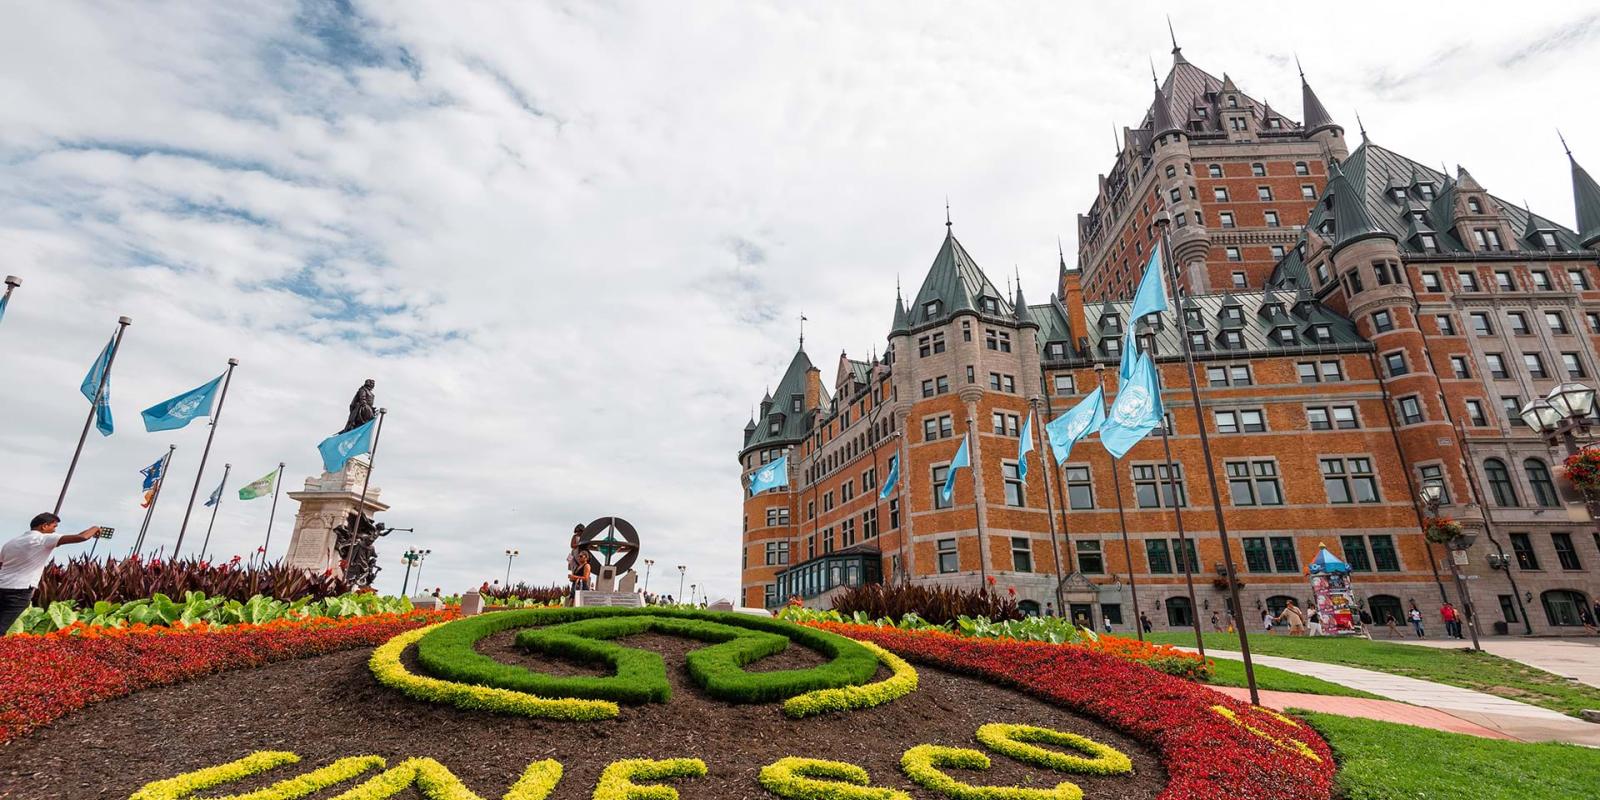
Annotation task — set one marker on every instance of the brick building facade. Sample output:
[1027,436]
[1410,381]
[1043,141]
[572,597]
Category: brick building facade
[1363,326]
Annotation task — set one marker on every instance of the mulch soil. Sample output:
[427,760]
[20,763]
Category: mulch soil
[330,706]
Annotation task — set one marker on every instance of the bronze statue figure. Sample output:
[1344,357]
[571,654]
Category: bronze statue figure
[361,407]
[355,541]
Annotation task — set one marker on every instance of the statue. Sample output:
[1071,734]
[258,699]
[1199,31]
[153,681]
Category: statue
[356,543]
[361,407]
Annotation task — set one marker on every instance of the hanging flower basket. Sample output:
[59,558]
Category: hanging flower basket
[1583,469]
[1442,530]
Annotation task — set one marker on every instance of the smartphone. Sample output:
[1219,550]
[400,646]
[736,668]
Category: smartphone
[105,532]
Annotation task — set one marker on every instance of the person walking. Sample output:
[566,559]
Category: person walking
[22,563]
[1107,622]
[1394,630]
[1416,621]
[1452,621]
[1315,620]
[1144,622]
[1267,620]
[1292,614]
[1216,621]
[1588,619]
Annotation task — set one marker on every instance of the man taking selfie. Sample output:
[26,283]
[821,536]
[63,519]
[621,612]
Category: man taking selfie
[23,559]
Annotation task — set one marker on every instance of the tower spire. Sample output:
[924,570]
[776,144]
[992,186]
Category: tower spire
[802,330]
[1175,47]
[947,213]
[1153,79]
[1360,126]
[1302,70]
[1564,144]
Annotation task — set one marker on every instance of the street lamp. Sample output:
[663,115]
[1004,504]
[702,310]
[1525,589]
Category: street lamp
[691,594]
[1560,414]
[649,562]
[510,554]
[412,558]
[681,569]
[1432,495]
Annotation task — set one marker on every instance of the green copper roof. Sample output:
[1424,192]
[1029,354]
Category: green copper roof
[1256,330]
[901,322]
[1344,205]
[956,282]
[1161,119]
[1051,318]
[791,426]
[1317,117]
[1586,201]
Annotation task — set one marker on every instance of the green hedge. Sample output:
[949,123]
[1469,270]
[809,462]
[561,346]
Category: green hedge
[640,676]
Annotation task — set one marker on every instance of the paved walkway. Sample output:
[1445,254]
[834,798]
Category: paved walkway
[1383,710]
[1516,720]
[1575,658]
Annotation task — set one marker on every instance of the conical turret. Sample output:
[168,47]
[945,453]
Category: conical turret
[1586,202]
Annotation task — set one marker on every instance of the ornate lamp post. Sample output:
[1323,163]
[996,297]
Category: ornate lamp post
[681,569]
[510,554]
[413,558]
[1561,414]
[691,594]
[1431,496]
[648,563]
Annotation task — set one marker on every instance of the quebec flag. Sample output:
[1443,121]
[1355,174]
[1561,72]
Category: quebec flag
[771,475]
[1136,411]
[1081,420]
[181,410]
[341,447]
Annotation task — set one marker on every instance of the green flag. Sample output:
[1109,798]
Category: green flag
[259,488]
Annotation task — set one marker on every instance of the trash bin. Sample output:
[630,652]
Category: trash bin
[1501,629]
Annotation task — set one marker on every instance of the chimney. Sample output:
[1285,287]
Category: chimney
[813,388]
[1072,299]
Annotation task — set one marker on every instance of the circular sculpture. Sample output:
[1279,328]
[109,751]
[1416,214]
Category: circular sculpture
[600,538]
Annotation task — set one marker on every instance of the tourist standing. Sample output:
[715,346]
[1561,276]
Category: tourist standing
[1316,622]
[1216,621]
[579,576]
[1452,621]
[22,563]
[1267,620]
[1144,622]
[1292,614]
[1416,621]
[1107,622]
[1587,618]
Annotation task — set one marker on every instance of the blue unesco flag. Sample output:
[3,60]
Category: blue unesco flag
[216,496]
[1024,444]
[341,447]
[1081,420]
[181,410]
[770,476]
[1136,411]
[1150,299]
[92,385]
[892,478]
[961,460]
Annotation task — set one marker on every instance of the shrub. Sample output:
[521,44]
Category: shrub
[901,682]
[939,605]
[196,608]
[797,778]
[87,581]
[922,765]
[543,595]
[617,781]
[1018,742]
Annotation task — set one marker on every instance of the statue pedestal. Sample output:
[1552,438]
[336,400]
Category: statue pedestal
[327,502]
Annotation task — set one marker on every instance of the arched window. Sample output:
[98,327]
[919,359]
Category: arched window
[1563,606]
[1384,606]
[1544,489]
[1277,603]
[1029,607]
[1179,613]
[1499,477]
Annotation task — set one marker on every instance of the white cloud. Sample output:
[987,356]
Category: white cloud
[571,242]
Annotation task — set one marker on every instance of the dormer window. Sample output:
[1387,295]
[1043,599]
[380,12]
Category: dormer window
[1193,319]
[1232,315]
[1425,191]
[1547,240]
[989,305]
[1202,112]
[932,308]
[1284,335]
[1397,195]
[1112,346]
[775,425]
[796,403]
[1056,351]
[1232,340]
[1199,342]
[1233,101]
[1274,310]
[1474,205]
[1321,334]
[1111,323]
[1430,244]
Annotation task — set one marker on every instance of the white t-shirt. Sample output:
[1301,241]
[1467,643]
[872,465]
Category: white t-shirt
[23,559]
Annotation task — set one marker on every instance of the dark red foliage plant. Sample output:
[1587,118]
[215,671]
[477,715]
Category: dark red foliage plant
[939,605]
[88,580]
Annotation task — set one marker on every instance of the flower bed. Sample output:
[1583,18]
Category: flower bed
[43,677]
[1213,747]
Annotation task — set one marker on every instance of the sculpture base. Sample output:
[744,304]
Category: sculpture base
[611,599]
[326,502]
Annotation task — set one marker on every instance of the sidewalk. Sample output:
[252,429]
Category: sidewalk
[1575,658]
[1381,710]
[1515,720]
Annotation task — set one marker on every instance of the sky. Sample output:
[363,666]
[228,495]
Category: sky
[572,241]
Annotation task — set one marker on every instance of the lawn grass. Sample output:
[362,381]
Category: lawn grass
[1480,671]
[1388,761]
[1225,672]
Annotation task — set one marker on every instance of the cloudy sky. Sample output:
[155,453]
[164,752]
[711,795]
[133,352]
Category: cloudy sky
[571,242]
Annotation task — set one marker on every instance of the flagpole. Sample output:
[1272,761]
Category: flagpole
[372,460]
[205,545]
[1171,270]
[277,485]
[150,510]
[227,378]
[12,282]
[1183,538]
[1050,510]
[977,511]
[94,407]
[1122,521]
[1057,470]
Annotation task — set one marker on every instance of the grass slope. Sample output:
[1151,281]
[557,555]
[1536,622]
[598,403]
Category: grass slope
[1480,671]
[1231,673]
[1388,761]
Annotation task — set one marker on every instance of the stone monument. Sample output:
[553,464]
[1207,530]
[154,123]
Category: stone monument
[327,510]
[613,546]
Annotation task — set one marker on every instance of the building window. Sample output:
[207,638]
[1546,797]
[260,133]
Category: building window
[1220,194]
[1257,169]
[1410,410]
[894,514]
[1459,367]
[1151,488]
[1382,321]
[1593,321]
[1255,554]
[1245,421]
[1468,281]
[1476,415]
[777,553]
[1349,480]
[1505,494]
[1272,219]
[940,474]
[1447,324]
[1160,558]
[1284,558]
[1512,405]
[1321,334]
[1240,281]
[1431,283]
[1090,560]
[1573,366]
[1080,489]
[927,388]
[949,559]
[869,523]
[997,340]
[1541,280]
[1006,424]
[1502,280]
[1233,254]
[827,540]
[1254,483]
[1225,219]
[1384,556]
[1497,365]
[1355,553]
[1014,496]
[1565,553]
[1557,322]
[1308,192]
[1522,546]
[1535,365]
[1395,363]
[777,515]
[1301,168]
[1519,322]
[1172,172]
[1021,554]
[1579,279]
[1213,170]
[1433,475]
[1544,489]
[1232,340]
[1231,375]
[1263,192]
[1065,384]
[929,345]
[1277,252]
[1487,239]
